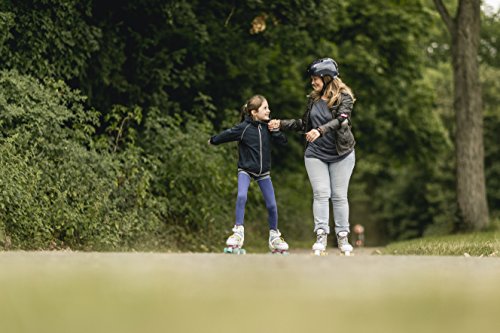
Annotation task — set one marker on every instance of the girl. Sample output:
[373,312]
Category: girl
[329,154]
[254,162]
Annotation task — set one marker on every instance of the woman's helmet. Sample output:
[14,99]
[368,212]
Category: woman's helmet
[322,67]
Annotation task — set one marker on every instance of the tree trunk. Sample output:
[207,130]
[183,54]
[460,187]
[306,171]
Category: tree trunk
[469,146]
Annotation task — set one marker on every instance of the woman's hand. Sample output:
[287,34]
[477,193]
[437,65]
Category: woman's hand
[312,135]
[274,125]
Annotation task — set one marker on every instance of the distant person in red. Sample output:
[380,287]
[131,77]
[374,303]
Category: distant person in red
[359,231]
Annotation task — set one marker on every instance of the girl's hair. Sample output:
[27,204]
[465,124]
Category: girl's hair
[253,103]
[333,89]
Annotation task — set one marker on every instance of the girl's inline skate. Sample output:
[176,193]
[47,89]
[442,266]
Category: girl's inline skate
[235,241]
[277,244]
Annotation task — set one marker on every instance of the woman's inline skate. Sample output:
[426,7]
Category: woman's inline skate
[319,248]
[343,243]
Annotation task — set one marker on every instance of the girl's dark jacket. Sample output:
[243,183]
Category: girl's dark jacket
[344,139]
[254,144]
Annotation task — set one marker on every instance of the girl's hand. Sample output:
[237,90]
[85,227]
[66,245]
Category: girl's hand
[274,125]
[312,135]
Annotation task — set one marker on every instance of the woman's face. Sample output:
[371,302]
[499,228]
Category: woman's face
[262,113]
[317,83]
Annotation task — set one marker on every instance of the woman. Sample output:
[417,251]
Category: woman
[329,152]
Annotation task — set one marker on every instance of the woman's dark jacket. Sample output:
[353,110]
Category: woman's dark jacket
[254,144]
[344,139]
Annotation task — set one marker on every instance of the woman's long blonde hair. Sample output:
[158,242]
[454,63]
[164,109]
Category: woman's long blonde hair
[333,89]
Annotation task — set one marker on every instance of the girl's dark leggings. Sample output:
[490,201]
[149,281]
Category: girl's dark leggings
[266,187]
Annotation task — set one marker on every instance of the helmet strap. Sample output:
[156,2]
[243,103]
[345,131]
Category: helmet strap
[324,86]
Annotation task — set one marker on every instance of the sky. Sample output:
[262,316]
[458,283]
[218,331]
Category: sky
[493,3]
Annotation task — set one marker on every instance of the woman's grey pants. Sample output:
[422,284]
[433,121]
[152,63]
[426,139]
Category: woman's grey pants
[330,181]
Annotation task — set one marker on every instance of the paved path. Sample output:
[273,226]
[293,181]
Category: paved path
[358,251]
[189,292]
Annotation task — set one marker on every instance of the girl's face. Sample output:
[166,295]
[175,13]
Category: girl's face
[317,83]
[262,113]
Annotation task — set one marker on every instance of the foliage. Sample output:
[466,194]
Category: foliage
[490,72]
[64,193]
[106,108]
[48,37]
[195,182]
[56,191]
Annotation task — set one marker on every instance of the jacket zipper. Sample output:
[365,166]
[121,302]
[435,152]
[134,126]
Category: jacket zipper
[260,147]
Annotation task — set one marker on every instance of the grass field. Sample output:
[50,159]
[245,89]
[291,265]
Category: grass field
[70,292]
[473,244]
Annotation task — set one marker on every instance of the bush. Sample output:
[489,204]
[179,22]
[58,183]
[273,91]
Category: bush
[63,186]
[195,182]
[57,191]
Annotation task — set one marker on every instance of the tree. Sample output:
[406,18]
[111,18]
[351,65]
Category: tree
[464,29]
